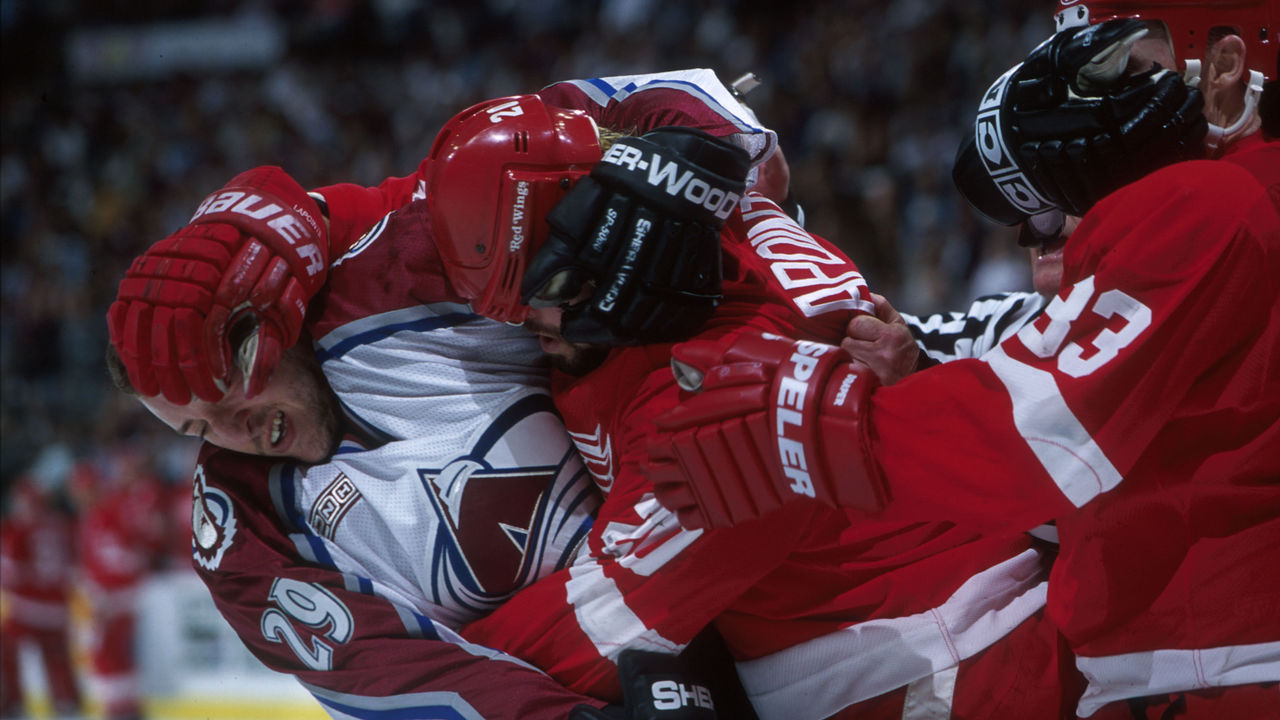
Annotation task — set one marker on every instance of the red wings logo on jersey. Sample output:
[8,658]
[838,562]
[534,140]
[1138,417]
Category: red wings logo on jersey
[213,522]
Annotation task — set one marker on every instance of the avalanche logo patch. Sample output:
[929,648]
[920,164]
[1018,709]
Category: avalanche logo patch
[213,522]
[492,529]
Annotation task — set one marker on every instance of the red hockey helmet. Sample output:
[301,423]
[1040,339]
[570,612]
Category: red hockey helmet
[494,172]
[1189,23]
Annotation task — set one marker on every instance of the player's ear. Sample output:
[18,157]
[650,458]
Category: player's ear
[1226,62]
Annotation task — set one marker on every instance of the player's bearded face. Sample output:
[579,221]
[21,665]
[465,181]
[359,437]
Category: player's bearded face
[572,358]
[296,415]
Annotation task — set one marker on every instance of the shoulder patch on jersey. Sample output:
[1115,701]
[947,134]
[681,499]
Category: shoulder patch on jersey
[213,522]
[333,504]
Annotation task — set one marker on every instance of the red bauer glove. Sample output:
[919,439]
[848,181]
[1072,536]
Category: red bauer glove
[771,420]
[243,270]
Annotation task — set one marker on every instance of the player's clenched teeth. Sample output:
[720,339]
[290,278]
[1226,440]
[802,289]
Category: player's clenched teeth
[277,427]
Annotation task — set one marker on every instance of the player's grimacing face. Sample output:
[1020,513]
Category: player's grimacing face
[295,416]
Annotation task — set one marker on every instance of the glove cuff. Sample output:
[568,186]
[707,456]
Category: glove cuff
[266,204]
[662,174]
[853,478]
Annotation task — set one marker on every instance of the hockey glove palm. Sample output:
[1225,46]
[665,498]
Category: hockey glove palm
[1067,126]
[642,232]
[241,272]
[772,420]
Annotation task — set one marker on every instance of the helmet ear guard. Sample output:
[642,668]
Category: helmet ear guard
[494,172]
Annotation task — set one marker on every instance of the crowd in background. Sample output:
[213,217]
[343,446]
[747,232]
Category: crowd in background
[870,100]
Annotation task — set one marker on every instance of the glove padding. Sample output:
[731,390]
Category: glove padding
[656,687]
[643,229]
[1066,127]
[772,420]
[232,284]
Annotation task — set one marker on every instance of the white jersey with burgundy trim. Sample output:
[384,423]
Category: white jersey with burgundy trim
[454,486]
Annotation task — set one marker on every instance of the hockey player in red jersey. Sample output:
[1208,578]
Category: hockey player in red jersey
[827,618]
[1139,411]
[37,559]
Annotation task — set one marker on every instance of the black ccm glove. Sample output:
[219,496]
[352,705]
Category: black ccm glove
[1066,126]
[644,230]
[655,687]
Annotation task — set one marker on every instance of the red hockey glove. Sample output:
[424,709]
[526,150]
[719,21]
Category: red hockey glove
[773,420]
[242,270]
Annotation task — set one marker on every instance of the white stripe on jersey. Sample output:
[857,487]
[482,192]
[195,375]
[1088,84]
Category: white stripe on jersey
[816,678]
[1064,447]
[348,706]
[1156,672]
[601,609]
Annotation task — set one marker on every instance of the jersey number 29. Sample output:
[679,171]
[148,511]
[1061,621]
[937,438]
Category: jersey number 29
[313,606]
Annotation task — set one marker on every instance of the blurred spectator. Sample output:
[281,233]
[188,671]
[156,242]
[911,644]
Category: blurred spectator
[36,566]
[868,97]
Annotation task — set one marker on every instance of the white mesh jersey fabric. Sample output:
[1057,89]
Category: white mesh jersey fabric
[477,491]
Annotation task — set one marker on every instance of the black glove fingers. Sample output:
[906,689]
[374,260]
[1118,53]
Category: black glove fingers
[577,213]
[574,220]
[609,306]
[647,234]
[1058,176]
[563,265]
[686,261]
